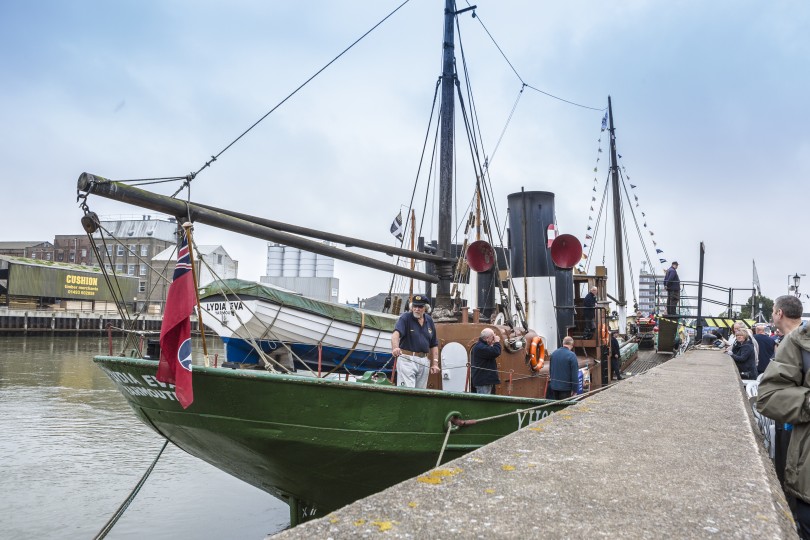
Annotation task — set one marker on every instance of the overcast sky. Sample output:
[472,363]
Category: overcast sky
[710,102]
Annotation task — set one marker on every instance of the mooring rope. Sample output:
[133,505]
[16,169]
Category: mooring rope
[462,423]
[121,509]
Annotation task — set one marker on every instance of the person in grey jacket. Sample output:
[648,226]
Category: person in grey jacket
[784,395]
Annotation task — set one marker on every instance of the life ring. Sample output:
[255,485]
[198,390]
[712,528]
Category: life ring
[537,353]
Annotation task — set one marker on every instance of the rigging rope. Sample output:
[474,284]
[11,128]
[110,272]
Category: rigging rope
[476,16]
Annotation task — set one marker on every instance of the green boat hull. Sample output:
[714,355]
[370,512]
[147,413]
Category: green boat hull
[320,442]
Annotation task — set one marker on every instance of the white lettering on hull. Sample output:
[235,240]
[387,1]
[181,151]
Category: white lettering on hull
[531,416]
[147,385]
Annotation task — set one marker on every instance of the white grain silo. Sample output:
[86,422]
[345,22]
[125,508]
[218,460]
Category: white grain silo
[306,266]
[290,262]
[275,256]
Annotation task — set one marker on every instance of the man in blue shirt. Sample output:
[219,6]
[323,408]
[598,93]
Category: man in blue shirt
[563,372]
[415,346]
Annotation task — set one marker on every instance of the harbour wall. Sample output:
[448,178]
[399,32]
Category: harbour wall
[672,452]
[26,322]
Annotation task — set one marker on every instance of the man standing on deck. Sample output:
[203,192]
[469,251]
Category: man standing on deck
[672,283]
[589,312]
[615,356]
[415,337]
[784,395]
[483,355]
[563,372]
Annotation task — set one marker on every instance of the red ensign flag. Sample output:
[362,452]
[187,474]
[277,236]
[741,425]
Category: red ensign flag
[175,331]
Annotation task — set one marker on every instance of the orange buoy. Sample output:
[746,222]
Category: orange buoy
[537,353]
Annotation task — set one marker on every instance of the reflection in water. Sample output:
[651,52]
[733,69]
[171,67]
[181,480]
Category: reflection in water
[72,451]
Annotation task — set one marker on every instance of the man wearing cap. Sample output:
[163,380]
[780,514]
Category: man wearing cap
[672,283]
[415,346]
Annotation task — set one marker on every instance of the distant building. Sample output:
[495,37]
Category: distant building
[211,263]
[32,250]
[27,283]
[646,289]
[302,271]
[127,246]
[73,248]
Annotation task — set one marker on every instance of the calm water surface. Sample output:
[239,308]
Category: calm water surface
[72,450]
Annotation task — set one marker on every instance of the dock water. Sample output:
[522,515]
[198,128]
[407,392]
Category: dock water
[670,452]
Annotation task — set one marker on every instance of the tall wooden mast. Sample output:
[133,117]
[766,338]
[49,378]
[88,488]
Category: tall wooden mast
[443,300]
[617,224]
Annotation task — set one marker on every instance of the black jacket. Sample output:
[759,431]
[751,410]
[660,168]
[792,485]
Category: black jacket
[743,355]
[589,303]
[484,356]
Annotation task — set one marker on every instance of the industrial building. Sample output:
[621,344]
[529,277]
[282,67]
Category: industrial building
[302,271]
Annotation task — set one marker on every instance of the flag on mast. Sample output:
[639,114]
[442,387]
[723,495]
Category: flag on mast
[396,227]
[756,279]
[175,331]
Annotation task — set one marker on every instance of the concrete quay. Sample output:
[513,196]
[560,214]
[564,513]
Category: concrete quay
[670,453]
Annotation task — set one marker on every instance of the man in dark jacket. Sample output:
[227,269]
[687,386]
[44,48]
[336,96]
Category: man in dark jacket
[563,372]
[672,283]
[766,348]
[483,362]
[589,312]
[743,354]
[615,356]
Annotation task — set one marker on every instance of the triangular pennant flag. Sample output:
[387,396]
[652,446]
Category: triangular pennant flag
[590,218]
[632,186]
[594,188]
[636,205]
[594,169]
[584,256]
[620,156]
[593,199]
[591,208]
[597,160]
[600,149]
[589,227]
[654,243]
[636,196]
[659,250]
[662,260]
[588,237]
[584,245]
[645,224]
[652,233]
[643,214]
